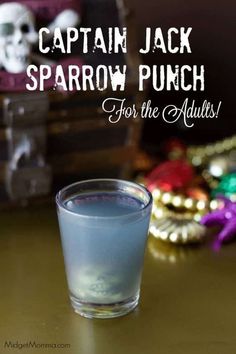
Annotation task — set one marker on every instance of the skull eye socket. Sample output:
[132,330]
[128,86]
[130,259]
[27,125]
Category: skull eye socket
[6,29]
[25,28]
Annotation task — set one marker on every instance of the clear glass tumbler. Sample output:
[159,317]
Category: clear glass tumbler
[104,226]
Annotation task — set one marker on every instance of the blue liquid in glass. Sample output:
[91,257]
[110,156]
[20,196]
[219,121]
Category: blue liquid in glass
[104,243]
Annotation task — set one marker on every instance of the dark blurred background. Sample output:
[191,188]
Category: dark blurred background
[213,45]
[88,146]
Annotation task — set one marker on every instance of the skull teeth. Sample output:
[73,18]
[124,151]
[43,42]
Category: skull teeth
[22,58]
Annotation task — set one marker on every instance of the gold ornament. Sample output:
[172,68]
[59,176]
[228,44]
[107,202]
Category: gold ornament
[194,208]
[175,217]
[177,229]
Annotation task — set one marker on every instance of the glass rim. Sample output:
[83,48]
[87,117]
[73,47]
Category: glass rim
[61,205]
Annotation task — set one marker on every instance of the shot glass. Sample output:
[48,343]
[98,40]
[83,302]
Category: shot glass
[104,226]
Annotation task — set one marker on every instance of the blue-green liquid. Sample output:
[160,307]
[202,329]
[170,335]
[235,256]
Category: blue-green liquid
[104,243]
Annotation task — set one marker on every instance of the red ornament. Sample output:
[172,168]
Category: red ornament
[175,145]
[170,176]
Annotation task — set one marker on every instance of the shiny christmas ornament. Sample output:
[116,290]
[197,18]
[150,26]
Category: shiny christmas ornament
[226,187]
[199,155]
[176,215]
[218,166]
[160,211]
[224,217]
[170,175]
[175,149]
[177,229]
[175,218]
[181,202]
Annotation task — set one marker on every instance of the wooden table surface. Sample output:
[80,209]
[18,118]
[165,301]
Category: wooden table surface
[188,300]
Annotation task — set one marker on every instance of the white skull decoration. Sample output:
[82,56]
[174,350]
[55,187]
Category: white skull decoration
[17,33]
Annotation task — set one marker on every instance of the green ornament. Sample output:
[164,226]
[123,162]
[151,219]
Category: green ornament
[226,187]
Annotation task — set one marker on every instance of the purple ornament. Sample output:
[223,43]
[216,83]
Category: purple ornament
[226,218]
